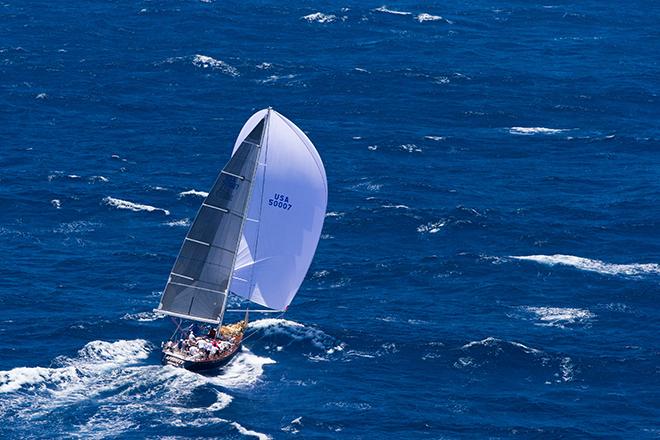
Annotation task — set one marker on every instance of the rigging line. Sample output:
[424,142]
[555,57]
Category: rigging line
[264,143]
[178,325]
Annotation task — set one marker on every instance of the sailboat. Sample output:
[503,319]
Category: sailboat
[254,237]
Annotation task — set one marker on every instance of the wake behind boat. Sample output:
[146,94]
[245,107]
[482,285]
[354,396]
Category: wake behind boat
[254,236]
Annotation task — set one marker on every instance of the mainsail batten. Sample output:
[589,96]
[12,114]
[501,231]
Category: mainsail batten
[256,232]
[199,281]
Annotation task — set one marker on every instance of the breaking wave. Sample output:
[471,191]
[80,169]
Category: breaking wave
[125,204]
[491,342]
[113,376]
[635,269]
[193,192]
[428,17]
[319,18]
[536,130]
[290,331]
[183,222]
[142,316]
[385,10]
[559,316]
[431,227]
[206,62]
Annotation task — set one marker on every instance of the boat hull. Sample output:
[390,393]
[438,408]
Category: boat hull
[169,358]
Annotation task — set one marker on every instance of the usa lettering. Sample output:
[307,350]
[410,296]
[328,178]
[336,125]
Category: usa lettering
[280,201]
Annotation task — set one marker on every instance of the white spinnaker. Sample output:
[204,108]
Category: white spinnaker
[285,215]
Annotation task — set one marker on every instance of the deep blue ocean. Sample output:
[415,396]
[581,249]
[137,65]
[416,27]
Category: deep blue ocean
[489,265]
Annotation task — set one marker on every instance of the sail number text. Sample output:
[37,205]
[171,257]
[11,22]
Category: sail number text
[280,201]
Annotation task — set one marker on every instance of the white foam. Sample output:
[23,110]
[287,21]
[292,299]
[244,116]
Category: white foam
[428,17]
[431,228]
[590,265]
[560,316]
[206,62]
[142,316]
[385,10]
[95,355]
[334,214]
[536,130]
[566,370]
[193,192]
[244,370]
[410,148]
[276,78]
[124,204]
[249,432]
[494,342]
[114,377]
[319,17]
[183,222]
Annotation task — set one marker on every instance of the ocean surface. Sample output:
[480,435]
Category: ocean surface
[490,261]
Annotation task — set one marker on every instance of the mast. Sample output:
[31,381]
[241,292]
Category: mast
[245,214]
[198,284]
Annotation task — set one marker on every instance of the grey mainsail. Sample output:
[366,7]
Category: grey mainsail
[198,284]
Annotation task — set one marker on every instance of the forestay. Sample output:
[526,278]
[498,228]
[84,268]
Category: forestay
[285,214]
[198,284]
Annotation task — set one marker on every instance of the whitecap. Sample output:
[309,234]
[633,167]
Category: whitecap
[206,62]
[193,192]
[41,96]
[586,264]
[432,227]
[428,17]
[319,17]
[142,316]
[264,66]
[566,370]
[334,214]
[560,316]
[244,370]
[435,138]
[241,429]
[498,343]
[124,204]
[536,130]
[410,148]
[276,78]
[184,222]
[359,69]
[395,206]
[321,274]
[56,203]
[94,179]
[384,9]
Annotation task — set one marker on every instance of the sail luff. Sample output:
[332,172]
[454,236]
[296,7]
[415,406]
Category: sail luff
[263,184]
[264,133]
